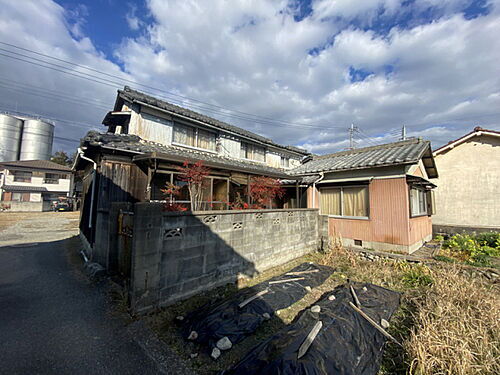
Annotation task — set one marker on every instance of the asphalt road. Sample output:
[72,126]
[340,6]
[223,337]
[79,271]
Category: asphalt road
[55,321]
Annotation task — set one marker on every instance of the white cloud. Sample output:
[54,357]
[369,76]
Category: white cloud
[254,56]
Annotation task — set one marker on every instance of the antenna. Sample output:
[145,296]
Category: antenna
[403,133]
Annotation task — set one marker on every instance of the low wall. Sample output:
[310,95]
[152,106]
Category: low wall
[176,255]
[23,206]
[454,229]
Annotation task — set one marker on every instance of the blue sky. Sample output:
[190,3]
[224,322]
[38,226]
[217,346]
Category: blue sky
[314,67]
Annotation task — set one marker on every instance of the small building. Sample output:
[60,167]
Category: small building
[33,185]
[375,197]
[468,192]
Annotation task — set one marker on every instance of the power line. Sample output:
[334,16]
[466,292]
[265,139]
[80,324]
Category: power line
[253,118]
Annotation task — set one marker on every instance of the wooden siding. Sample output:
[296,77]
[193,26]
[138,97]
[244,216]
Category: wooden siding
[389,217]
[420,227]
[121,182]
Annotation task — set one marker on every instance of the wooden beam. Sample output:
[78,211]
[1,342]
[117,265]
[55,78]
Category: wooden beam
[309,339]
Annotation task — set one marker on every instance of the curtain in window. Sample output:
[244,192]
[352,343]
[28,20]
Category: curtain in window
[259,154]
[206,140]
[355,201]
[330,202]
[243,151]
[184,135]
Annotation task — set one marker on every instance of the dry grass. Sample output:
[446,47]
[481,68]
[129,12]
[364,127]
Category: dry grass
[448,322]
[457,327]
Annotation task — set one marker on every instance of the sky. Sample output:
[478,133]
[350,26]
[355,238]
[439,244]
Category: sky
[299,72]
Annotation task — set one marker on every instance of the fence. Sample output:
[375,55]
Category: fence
[174,255]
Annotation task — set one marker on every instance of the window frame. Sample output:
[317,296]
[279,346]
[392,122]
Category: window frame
[342,187]
[421,193]
[49,180]
[252,147]
[18,178]
[211,178]
[196,130]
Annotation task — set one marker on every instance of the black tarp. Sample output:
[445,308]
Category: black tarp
[225,319]
[346,343]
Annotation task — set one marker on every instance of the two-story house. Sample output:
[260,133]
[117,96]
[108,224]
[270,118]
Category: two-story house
[32,185]
[148,138]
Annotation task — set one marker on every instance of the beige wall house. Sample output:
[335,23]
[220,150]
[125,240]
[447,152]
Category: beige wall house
[468,189]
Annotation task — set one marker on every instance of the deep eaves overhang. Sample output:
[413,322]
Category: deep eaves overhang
[209,163]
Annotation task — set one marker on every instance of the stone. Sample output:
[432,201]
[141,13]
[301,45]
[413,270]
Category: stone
[193,355]
[266,316]
[193,335]
[385,324]
[365,289]
[331,298]
[308,288]
[215,353]
[180,318]
[224,343]
[315,309]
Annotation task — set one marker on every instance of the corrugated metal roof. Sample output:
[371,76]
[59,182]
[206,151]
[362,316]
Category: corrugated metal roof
[36,164]
[133,143]
[404,152]
[136,96]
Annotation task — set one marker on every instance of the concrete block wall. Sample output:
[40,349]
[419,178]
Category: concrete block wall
[178,254]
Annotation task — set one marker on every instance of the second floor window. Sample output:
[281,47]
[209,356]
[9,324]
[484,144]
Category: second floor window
[51,178]
[285,162]
[20,176]
[252,152]
[194,137]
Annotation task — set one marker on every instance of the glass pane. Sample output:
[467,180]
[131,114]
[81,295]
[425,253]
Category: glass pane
[422,202]
[355,201]
[206,140]
[330,201]
[159,182]
[184,191]
[220,190]
[414,201]
[184,135]
[259,154]
[243,151]
[206,188]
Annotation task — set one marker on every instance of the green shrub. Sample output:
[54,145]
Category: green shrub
[491,239]
[416,276]
[475,250]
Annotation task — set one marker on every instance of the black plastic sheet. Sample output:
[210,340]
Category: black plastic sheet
[346,344]
[226,319]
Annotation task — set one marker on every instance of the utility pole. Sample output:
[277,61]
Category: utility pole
[403,133]
[352,130]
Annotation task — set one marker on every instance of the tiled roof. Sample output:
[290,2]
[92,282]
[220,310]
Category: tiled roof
[404,152]
[24,188]
[36,164]
[478,131]
[136,96]
[145,149]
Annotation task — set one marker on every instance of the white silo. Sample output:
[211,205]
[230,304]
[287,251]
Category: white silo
[36,140]
[10,137]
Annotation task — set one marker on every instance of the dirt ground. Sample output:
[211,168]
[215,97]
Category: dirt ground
[30,227]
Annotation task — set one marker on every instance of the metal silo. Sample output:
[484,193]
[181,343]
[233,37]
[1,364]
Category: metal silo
[36,141]
[10,137]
